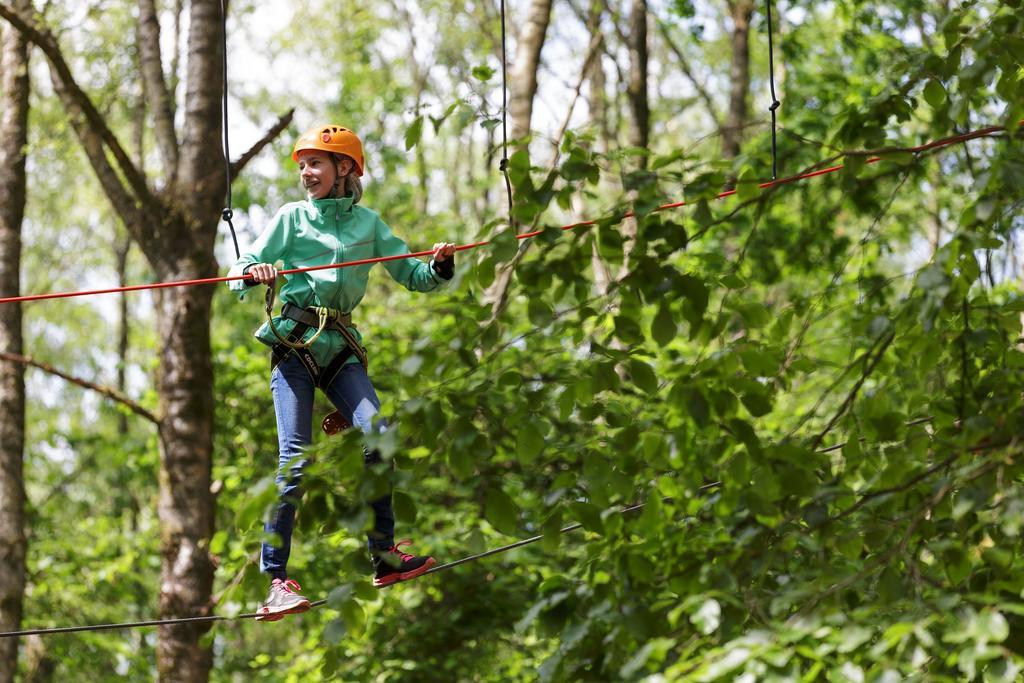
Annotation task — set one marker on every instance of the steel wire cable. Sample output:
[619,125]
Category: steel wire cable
[771,84]
[503,165]
[227,213]
[316,603]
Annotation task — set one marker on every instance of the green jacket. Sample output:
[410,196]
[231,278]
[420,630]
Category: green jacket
[322,231]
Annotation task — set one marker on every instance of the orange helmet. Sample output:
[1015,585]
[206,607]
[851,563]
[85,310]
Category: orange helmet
[331,138]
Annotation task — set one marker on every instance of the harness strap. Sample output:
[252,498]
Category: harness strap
[302,315]
[305,320]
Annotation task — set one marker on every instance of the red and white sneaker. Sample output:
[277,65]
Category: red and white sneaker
[283,599]
[393,565]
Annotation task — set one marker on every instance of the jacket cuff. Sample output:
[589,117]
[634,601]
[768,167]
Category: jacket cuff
[444,269]
[248,281]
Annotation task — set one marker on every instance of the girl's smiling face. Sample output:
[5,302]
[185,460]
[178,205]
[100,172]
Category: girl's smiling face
[317,172]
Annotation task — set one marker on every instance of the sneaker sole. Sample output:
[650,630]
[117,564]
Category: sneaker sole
[278,616]
[405,576]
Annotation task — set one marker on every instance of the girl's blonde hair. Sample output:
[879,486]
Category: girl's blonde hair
[352,185]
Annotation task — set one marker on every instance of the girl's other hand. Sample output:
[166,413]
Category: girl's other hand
[443,250]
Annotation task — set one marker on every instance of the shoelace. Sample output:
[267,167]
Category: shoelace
[288,585]
[396,550]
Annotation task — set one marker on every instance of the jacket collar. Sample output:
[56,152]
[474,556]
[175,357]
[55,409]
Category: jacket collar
[333,204]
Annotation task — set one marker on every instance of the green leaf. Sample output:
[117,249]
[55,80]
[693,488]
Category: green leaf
[663,327]
[405,508]
[755,314]
[747,185]
[628,330]
[504,245]
[539,312]
[733,281]
[529,442]
[934,94]
[482,72]
[354,616]
[643,376]
[695,289]
[589,515]
[501,511]
[413,133]
[519,167]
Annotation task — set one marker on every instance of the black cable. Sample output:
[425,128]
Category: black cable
[227,214]
[503,165]
[771,83]
[317,603]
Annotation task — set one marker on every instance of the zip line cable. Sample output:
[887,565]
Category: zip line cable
[935,144]
[771,83]
[227,214]
[317,603]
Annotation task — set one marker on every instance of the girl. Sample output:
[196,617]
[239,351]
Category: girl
[314,343]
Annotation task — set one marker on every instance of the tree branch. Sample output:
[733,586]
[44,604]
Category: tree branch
[497,294]
[153,84]
[268,137]
[112,394]
[684,64]
[92,130]
[883,346]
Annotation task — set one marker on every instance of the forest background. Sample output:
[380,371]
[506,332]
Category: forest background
[814,388]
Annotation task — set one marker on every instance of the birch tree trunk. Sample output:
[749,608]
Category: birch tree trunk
[523,81]
[175,229]
[14,90]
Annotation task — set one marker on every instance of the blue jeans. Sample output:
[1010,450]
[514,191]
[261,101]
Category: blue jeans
[352,394]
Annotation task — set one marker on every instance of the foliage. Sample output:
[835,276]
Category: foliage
[815,389]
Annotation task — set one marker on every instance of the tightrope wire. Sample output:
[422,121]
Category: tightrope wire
[317,603]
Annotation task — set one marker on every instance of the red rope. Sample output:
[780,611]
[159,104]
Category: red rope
[983,132]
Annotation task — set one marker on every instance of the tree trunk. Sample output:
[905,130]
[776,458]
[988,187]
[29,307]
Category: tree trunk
[739,77]
[185,386]
[639,106]
[598,102]
[175,229]
[14,89]
[597,97]
[523,81]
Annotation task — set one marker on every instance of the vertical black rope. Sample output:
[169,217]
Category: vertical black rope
[771,82]
[503,165]
[227,214]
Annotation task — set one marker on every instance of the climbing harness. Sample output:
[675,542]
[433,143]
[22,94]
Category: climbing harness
[319,318]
